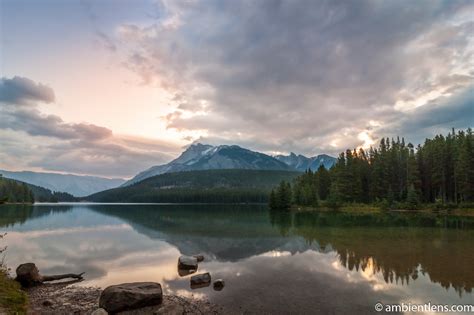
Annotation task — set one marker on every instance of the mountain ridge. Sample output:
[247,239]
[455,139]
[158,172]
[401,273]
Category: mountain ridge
[200,156]
[302,163]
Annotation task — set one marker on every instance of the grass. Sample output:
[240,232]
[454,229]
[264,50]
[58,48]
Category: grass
[13,300]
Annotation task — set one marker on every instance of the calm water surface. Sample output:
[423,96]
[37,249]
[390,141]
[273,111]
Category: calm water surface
[272,262]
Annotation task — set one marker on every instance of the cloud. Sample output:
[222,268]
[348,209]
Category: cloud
[440,116]
[306,76]
[33,140]
[115,156]
[102,38]
[34,123]
[20,90]
[106,41]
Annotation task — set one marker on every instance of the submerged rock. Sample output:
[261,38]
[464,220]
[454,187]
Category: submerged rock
[219,284]
[200,281]
[187,263]
[129,296]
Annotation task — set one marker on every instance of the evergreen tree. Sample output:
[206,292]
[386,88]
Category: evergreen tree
[413,198]
[335,198]
[273,202]
[281,197]
[442,170]
[323,182]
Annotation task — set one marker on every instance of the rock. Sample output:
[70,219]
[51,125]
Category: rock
[185,272]
[130,296]
[47,303]
[218,284]
[200,281]
[28,275]
[99,311]
[187,263]
[199,257]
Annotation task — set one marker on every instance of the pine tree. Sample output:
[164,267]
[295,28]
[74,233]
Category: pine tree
[335,198]
[413,198]
[323,182]
[273,203]
[441,170]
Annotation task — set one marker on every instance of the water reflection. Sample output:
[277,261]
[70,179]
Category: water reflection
[434,245]
[271,260]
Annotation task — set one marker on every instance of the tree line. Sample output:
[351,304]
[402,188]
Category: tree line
[182,195]
[394,174]
[15,192]
[206,186]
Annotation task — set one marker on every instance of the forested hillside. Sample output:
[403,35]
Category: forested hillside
[211,186]
[45,195]
[14,192]
[394,174]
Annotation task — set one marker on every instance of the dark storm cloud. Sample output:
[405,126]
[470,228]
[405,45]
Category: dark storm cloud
[302,74]
[20,90]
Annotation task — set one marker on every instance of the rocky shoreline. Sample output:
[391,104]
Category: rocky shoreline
[69,298]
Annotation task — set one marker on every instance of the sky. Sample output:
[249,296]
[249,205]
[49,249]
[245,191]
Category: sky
[112,87]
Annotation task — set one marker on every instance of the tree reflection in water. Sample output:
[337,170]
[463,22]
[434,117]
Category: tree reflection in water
[399,246]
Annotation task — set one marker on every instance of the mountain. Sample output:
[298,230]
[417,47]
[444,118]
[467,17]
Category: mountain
[207,157]
[302,163]
[72,184]
[207,186]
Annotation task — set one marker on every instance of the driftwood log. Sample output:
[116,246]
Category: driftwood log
[28,275]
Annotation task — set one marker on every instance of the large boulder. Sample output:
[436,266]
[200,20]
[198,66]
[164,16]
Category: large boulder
[130,296]
[187,263]
[200,281]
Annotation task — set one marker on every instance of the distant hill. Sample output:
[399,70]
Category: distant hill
[207,157]
[45,195]
[210,186]
[303,163]
[73,184]
[12,190]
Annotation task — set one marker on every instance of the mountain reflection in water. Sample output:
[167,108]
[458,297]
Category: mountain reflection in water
[291,261]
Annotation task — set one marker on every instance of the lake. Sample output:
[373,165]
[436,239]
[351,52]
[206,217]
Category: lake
[272,262]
